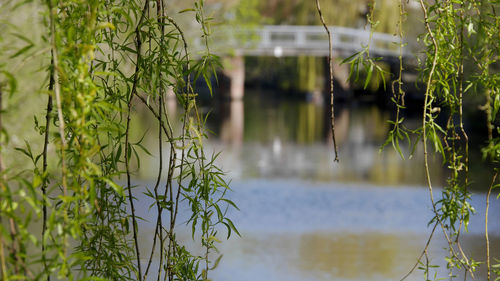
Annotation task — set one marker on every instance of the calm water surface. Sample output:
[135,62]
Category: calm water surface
[302,217]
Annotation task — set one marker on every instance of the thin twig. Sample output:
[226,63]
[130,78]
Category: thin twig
[488,265]
[426,264]
[2,190]
[428,103]
[13,229]
[2,260]
[330,63]
[160,168]
[166,130]
[1,128]
[160,11]
[422,254]
[158,205]
[460,114]
[133,92]
[400,96]
[44,167]
[183,140]
[62,135]
[57,92]
[12,223]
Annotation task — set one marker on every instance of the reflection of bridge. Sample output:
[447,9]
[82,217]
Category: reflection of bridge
[294,40]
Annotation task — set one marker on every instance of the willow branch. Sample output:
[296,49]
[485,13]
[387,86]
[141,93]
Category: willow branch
[11,222]
[488,262]
[422,254]
[44,167]
[127,131]
[2,260]
[330,63]
[159,224]
[160,11]
[1,131]
[427,104]
[57,92]
[400,96]
[186,106]
[2,190]
[158,227]
[460,114]
[166,130]
[173,216]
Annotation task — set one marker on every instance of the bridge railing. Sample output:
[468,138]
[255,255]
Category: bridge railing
[293,40]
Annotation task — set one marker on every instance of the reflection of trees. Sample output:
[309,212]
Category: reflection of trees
[272,137]
[361,156]
[291,121]
[310,123]
[356,256]
[290,138]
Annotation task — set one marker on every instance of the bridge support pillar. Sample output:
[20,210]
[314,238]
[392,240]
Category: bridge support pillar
[233,126]
[234,68]
[171,102]
[341,74]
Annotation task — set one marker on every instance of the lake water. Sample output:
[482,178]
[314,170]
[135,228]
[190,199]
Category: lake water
[303,217]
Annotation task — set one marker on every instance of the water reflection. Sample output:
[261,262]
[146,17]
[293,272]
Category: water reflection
[351,256]
[232,127]
[298,220]
[332,256]
[270,137]
[299,230]
[326,256]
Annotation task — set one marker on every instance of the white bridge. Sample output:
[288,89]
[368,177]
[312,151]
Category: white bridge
[299,40]
[295,40]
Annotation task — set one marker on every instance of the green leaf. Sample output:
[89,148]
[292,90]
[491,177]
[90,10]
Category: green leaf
[368,76]
[22,37]
[349,59]
[118,189]
[37,180]
[231,203]
[118,154]
[11,80]
[144,149]
[232,226]
[22,51]
[187,10]
[27,151]
[216,263]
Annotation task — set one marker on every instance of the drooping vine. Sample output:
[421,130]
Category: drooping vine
[330,68]
[459,59]
[107,60]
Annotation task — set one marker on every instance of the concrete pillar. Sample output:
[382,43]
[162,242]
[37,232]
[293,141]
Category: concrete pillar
[341,74]
[233,126]
[342,125]
[171,102]
[234,68]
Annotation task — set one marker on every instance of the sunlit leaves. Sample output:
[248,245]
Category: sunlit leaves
[361,62]
[96,43]
[461,51]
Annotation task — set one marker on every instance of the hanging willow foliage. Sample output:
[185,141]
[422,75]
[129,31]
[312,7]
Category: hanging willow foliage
[106,59]
[461,42]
